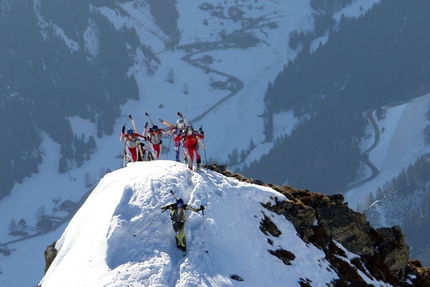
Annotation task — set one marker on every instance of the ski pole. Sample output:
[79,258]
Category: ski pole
[206,235]
[206,161]
[124,156]
[168,149]
[149,223]
[173,194]
[135,131]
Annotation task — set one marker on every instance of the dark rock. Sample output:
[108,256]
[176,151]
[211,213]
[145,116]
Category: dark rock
[236,277]
[285,255]
[394,250]
[268,227]
[50,254]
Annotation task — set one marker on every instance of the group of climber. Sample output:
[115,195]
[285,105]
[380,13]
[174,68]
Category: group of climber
[184,135]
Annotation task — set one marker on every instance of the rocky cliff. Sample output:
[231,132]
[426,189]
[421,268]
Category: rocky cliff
[324,221]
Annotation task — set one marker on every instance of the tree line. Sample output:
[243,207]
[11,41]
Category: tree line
[366,63]
[47,77]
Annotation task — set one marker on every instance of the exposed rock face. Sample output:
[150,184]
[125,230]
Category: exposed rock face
[50,254]
[347,227]
[423,274]
[324,220]
[394,250]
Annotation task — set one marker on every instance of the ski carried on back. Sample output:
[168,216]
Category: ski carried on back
[148,153]
[135,131]
[181,115]
[149,117]
[173,194]
[167,123]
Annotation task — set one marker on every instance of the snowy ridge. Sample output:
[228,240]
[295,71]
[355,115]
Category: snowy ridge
[98,247]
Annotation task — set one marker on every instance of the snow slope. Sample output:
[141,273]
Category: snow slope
[98,247]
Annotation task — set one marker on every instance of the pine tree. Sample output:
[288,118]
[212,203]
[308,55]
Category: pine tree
[11,228]
[62,165]
[379,194]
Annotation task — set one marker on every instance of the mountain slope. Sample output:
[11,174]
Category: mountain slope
[366,63]
[243,235]
[153,63]
[98,247]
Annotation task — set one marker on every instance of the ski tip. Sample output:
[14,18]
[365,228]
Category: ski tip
[134,235]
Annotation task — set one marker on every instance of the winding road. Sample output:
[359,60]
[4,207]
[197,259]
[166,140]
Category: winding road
[364,157]
[234,88]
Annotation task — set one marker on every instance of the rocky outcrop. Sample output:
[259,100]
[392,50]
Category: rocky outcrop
[50,254]
[394,250]
[325,220]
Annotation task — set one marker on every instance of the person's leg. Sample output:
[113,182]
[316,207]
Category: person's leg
[133,152]
[198,158]
[185,154]
[141,153]
[176,145]
[157,148]
[182,241]
[177,229]
[191,158]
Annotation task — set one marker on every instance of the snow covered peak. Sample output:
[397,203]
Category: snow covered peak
[122,237]
[98,247]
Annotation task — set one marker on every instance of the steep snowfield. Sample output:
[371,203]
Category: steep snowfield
[98,247]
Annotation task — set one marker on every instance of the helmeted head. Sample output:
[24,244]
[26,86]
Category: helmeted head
[155,128]
[129,131]
[180,203]
[189,130]
[180,124]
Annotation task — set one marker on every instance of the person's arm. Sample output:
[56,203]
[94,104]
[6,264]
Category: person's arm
[168,206]
[201,133]
[121,135]
[171,131]
[165,133]
[145,130]
[138,135]
[195,209]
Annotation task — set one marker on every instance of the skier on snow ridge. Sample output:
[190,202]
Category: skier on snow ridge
[191,140]
[132,142]
[179,218]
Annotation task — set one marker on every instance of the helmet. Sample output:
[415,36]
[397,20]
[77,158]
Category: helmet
[180,123]
[129,131]
[190,130]
[155,128]
[180,203]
